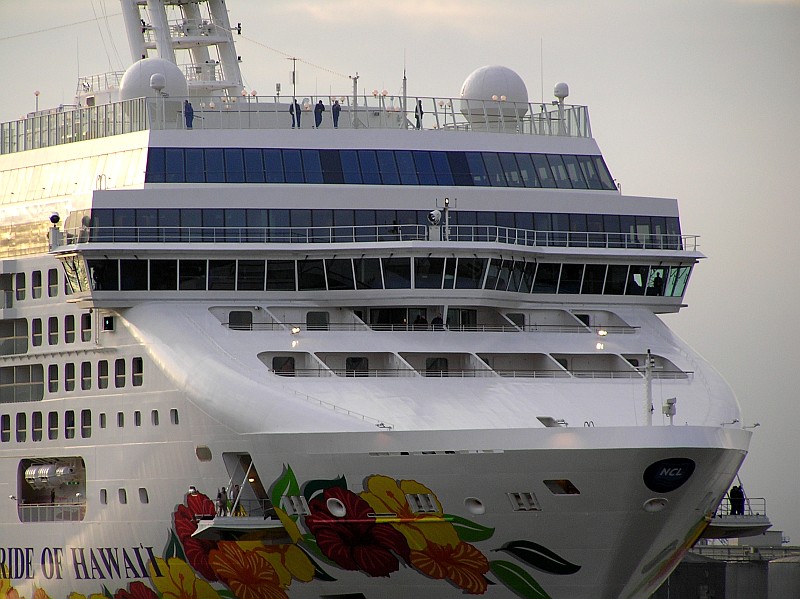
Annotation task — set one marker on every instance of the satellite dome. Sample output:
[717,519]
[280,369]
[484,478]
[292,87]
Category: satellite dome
[137,80]
[493,83]
[494,98]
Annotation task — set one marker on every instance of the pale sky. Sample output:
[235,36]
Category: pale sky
[692,99]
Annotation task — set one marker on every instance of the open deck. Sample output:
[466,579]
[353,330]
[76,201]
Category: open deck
[67,124]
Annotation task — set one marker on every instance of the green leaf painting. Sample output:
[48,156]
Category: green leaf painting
[539,557]
[518,580]
[469,531]
[286,485]
[313,487]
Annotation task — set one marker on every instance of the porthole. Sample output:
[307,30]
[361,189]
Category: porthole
[336,507]
[203,453]
[474,506]
[656,504]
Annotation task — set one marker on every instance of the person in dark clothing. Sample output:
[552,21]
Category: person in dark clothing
[437,323]
[736,496]
[318,110]
[335,110]
[418,112]
[188,113]
[294,109]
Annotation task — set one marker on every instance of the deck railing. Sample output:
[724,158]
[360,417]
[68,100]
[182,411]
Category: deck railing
[320,372]
[416,328]
[67,124]
[380,234]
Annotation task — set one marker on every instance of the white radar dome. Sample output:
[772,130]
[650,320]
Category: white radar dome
[494,83]
[138,80]
[494,97]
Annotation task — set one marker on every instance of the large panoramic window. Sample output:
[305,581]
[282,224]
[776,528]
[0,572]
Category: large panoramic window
[376,167]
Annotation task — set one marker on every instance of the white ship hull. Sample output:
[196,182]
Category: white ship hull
[618,546]
[419,337]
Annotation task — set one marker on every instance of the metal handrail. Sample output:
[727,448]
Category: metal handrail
[378,233]
[403,327]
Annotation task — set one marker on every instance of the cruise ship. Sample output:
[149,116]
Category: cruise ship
[402,346]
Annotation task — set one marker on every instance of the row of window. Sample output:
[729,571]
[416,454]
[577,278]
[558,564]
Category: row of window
[74,424]
[333,274]
[26,382]
[242,225]
[37,333]
[376,167]
[36,287]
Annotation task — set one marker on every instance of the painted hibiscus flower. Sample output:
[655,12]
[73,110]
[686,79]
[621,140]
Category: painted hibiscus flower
[355,541]
[247,573]
[196,550]
[463,565]
[386,495]
[136,590]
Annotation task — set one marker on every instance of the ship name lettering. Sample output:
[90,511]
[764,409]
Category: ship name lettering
[52,562]
[671,472]
[16,562]
[99,563]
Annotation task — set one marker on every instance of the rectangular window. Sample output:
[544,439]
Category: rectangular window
[397,273]
[119,373]
[154,417]
[121,419]
[52,282]
[470,273]
[22,427]
[69,424]
[102,374]
[86,424]
[52,426]
[283,365]
[546,278]
[69,328]
[137,371]
[5,428]
[52,330]
[192,275]
[387,167]
[163,275]
[251,275]
[293,166]
[86,376]
[280,275]
[311,275]
[36,332]
[52,378]
[253,166]
[137,418]
[86,326]
[69,376]
[222,275]
[133,275]
[173,416]
[36,284]
[102,420]
[19,286]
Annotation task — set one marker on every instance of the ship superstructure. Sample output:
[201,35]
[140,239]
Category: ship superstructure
[414,349]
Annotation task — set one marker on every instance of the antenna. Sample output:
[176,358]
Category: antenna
[541,65]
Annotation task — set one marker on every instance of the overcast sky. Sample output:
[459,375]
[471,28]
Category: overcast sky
[693,99]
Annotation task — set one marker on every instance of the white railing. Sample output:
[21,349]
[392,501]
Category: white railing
[52,512]
[67,124]
[379,233]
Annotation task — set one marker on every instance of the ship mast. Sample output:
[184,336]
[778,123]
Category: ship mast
[196,35]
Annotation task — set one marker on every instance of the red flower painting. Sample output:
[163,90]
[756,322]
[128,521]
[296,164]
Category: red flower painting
[136,590]
[355,541]
[197,550]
